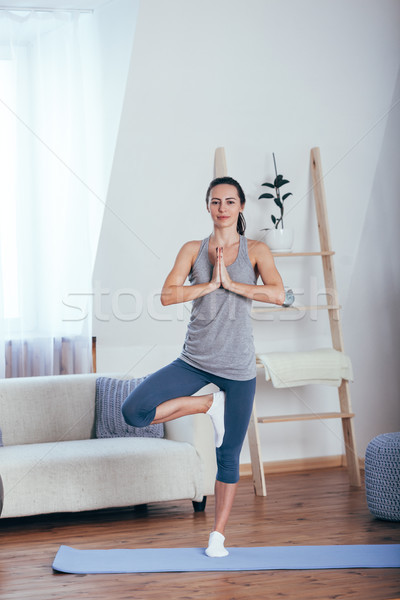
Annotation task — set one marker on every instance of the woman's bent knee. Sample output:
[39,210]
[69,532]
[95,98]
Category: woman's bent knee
[135,414]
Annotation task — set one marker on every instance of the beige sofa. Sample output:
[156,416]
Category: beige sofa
[51,462]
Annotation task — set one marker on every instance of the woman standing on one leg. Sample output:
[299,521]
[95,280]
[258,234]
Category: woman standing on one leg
[223,270]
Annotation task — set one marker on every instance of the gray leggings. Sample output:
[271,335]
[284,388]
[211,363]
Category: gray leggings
[181,379]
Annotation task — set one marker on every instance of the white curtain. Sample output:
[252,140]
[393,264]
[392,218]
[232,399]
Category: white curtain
[51,184]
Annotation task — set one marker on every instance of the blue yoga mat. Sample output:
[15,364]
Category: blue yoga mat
[157,560]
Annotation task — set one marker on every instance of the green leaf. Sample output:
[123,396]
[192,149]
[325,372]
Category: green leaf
[286,196]
[278,203]
[273,219]
[282,182]
[265,196]
[270,185]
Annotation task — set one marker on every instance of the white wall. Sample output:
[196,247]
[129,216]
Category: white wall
[371,316]
[255,77]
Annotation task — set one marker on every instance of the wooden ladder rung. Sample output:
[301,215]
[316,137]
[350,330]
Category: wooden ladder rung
[262,309]
[322,253]
[305,417]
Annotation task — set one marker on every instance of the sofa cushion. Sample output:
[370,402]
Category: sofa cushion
[93,474]
[47,408]
[109,422]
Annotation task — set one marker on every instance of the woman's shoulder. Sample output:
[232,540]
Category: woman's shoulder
[257,248]
[190,250]
[192,246]
[259,254]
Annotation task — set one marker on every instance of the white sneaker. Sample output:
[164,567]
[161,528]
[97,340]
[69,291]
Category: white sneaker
[216,547]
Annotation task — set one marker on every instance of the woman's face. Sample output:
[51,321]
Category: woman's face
[224,205]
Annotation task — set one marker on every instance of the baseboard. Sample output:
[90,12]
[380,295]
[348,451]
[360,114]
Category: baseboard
[300,464]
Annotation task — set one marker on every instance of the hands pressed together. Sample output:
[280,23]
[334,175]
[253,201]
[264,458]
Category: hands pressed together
[271,290]
[220,276]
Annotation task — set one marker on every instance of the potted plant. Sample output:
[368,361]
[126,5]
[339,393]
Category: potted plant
[278,238]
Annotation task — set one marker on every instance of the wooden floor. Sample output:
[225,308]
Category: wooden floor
[310,508]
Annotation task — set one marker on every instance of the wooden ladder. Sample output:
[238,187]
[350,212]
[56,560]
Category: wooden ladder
[345,414]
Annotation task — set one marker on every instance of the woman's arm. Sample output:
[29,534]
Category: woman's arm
[174,291]
[271,291]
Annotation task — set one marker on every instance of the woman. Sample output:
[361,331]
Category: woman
[223,270]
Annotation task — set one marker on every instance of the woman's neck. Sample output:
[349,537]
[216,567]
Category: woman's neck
[224,237]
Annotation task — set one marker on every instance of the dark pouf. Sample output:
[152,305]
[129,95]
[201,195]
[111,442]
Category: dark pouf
[382,476]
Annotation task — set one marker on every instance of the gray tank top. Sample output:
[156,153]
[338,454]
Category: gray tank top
[219,336]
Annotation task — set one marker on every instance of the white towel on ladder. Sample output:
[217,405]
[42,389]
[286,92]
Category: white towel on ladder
[322,366]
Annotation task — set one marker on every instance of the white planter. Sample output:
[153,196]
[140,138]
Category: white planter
[279,240]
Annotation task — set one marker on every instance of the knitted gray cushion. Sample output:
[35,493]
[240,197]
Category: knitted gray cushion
[382,476]
[110,394]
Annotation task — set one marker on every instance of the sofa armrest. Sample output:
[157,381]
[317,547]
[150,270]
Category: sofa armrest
[198,431]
